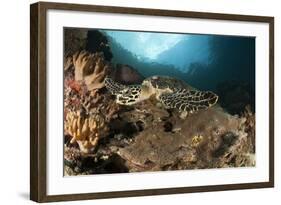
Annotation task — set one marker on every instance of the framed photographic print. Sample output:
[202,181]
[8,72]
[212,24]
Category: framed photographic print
[134,102]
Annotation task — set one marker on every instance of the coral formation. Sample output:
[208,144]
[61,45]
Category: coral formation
[250,125]
[77,163]
[90,68]
[85,130]
[102,136]
[87,115]
[198,143]
[242,153]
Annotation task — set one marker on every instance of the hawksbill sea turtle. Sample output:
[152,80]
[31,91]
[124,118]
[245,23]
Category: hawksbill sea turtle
[171,92]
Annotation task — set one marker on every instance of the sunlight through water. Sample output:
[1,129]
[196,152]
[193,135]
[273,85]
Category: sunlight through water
[146,44]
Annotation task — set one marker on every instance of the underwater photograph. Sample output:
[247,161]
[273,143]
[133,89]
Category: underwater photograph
[142,101]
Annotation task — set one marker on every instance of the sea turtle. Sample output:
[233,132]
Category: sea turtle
[171,92]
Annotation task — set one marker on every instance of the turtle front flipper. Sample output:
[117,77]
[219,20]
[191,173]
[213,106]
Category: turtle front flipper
[113,87]
[188,100]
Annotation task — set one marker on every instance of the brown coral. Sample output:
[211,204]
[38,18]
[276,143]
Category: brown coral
[200,141]
[242,153]
[68,63]
[87,117]
[250,125]
[90,68]
[101,103]
[146,112]
[85,130]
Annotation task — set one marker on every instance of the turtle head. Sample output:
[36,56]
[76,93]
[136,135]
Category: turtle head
[129,95]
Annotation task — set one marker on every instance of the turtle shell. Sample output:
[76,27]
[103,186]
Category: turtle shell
[164,82]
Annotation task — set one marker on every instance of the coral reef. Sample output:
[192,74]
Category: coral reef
[102,136]
[85,130]
[148,138]
[77,163]
[88,109]
[91,42]
[197,142]
[250,125]
[90,68]
[87,115]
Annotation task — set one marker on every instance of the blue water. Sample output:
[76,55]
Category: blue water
[222,64]
[178,50]
[201,60]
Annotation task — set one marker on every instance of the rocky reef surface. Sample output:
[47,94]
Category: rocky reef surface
[101,136]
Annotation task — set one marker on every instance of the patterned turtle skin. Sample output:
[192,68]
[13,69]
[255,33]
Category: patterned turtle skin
[171,92]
